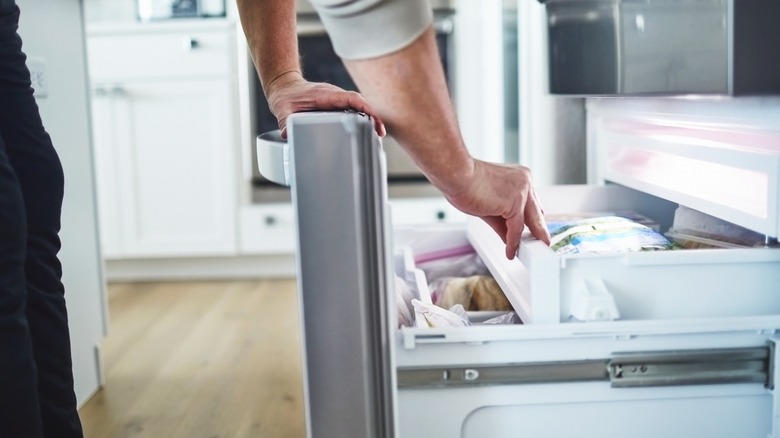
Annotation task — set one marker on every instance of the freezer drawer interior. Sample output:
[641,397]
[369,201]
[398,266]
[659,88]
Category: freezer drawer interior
[556,375]
[545,287]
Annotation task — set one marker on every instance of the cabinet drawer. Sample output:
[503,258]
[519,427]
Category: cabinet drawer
[159,55]
[545,287]
[267,229]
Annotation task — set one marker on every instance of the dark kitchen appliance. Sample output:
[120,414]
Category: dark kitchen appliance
[663,47]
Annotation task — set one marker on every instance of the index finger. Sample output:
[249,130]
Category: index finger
[534,219]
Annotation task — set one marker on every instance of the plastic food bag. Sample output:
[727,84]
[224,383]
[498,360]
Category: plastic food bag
[504,319]
[474,293]
[403,300]
[461,265]
[437,317]
[604,235]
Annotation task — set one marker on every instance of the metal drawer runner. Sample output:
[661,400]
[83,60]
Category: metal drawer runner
[623,370]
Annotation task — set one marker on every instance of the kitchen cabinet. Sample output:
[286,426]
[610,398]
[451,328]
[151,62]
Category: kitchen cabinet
[163,116]
[270,228]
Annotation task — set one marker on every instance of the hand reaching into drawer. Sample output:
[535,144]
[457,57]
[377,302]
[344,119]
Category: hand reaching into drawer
[502,196]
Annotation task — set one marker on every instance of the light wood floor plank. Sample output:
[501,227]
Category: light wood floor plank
[201,359]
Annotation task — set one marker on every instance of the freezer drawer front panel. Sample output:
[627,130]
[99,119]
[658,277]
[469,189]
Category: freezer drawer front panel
[708,378]
[586,409]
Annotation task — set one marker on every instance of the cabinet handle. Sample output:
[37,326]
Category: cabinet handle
[100,91]
[190,43]
[118,90]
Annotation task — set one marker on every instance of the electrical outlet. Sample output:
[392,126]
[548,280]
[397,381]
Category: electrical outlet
[38,76]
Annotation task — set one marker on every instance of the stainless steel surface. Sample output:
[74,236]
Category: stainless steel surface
[623,370]
[337,181]
[606,47]
[742,365]
[580,371]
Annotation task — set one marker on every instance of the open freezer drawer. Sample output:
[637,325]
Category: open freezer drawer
[703,346]
[649,374]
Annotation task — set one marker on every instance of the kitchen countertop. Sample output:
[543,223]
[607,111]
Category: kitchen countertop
[173,25]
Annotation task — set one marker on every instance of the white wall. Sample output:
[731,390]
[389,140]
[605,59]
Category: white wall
[52,31]
[552,129]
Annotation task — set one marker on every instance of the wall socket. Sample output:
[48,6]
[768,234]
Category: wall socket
[38,76]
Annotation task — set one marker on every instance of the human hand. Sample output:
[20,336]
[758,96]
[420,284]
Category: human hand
[291,93]
[502,196]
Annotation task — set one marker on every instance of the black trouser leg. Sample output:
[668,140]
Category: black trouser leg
[39,174]
[19,407]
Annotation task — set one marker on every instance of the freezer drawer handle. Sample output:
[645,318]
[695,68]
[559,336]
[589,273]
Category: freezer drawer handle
[743,365]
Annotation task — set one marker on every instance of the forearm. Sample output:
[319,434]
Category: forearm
[409,92]
[269,26]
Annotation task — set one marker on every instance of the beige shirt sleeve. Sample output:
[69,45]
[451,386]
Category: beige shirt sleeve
[362,29]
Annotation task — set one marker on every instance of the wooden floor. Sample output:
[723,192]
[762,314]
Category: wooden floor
[203,359]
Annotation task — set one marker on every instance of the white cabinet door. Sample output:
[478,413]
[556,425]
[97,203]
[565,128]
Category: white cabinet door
[169,162]
[106,164]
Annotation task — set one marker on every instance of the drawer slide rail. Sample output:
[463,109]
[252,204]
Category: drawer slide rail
[622,370]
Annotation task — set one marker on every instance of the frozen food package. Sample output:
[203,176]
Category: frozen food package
[436,317]
[403,300]
[474,293]
[508,318]
[463,263]
[604,234]
[693,229]
[558,220]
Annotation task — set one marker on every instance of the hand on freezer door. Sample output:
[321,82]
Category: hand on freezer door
[502,196]
[290,93]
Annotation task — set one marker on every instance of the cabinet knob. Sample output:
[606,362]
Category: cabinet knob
[441,215]
[118,90]
[100,91]
[270,220]
[190,43]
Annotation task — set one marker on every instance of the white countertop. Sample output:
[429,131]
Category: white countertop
[172,25]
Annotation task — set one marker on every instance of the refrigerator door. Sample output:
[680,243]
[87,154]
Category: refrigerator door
[337,173]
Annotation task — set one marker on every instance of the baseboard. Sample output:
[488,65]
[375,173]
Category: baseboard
[201,268]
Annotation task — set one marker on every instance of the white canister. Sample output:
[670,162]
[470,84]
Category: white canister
[212,8]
